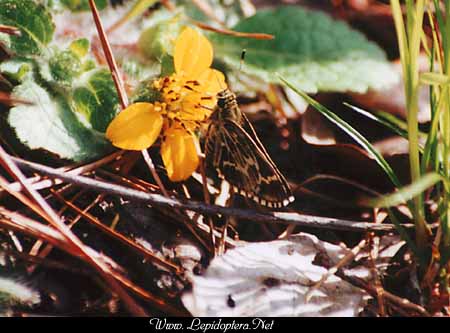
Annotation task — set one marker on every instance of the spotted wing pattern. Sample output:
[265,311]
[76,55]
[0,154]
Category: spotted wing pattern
[238,156]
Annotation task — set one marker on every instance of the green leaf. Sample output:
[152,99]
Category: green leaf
[144,92]
[80,47]
[155,42]
[83,5]
[96,98]
[65,66]
[50,124]
[311,50]
[33,20]
[18,69]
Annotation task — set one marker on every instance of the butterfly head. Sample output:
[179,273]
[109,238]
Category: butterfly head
[227,107]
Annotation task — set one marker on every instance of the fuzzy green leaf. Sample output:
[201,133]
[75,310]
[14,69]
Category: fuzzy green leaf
[50,124]
[311,50]
[65,66]
[97,98]
[156,41]
[14,292]
[33,20]
[80,47]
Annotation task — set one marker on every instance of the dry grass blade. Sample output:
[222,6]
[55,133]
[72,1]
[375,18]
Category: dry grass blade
[38,183]
[109,57]
[14,221]
[104,270]
[20,223]
[128,242]
[10,30]
[225,31]
[5,98]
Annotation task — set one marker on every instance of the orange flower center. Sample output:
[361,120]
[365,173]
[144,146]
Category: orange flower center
[184,101]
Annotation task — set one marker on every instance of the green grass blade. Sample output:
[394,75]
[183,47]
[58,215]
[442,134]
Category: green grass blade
[401,34]
[405,193]
[434,78]
[347,128]
[388,121]
[389,125]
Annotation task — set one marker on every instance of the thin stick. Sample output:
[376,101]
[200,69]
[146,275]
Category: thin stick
[151,166]
[109,56]
[225,227]
[158,199]
[39,184]
[401,302]
[119,84]
[207,201]
[331,271]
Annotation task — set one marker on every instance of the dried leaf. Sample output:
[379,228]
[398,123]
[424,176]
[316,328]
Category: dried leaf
[272,279]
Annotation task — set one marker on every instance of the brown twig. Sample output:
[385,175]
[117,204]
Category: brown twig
[176,215]
[157,199]
[37,260]
[399,301]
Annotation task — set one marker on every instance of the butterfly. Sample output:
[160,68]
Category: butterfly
[234,150]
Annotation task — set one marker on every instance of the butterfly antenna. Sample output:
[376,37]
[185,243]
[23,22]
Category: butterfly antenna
[242,59]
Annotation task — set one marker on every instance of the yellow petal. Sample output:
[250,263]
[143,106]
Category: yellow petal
[179,154]
[211,81]
[135,128]
[193,53]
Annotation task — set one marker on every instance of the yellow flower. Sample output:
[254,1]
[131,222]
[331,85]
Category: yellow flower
[187,100]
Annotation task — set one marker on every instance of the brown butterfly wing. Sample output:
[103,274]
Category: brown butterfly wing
[239,160]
